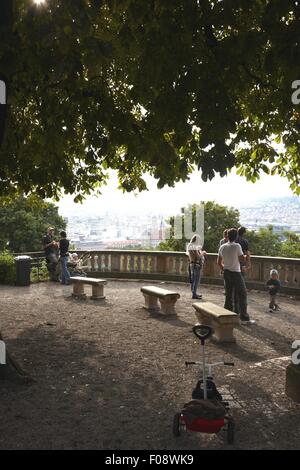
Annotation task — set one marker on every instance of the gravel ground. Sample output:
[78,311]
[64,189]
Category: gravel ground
[110,375]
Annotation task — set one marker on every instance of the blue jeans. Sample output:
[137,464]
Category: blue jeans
[65,275]
[195,277]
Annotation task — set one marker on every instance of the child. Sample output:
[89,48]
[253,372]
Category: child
[274,285]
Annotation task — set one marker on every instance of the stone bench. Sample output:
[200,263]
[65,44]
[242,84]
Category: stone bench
[221,320]
[97,287]
[166,298]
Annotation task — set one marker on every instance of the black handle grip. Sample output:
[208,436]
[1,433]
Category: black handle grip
[202,331]
[228,363]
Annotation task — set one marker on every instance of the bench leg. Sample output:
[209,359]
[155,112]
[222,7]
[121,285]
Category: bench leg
[97,293]
[168,306]
[78,290]
[151,302]
[224,334]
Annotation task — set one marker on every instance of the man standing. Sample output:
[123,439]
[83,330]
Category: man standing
[196,262]
[245,247]
[51,247]
[225,238]
[229,258]
[64,256]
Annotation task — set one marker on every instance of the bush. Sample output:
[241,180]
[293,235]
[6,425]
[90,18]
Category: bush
[41,273]
[7,268]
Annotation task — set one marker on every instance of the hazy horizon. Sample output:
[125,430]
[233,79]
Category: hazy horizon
[231,190]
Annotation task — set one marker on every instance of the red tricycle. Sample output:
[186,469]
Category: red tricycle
[207,412]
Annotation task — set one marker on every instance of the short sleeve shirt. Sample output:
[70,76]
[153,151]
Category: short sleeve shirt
[46,240]
[63,247]
[230,253]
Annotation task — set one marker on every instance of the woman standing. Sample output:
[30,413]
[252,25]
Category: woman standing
[196,262]
[64,256]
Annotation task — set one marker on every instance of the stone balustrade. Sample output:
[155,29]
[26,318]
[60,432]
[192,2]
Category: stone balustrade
[173,266]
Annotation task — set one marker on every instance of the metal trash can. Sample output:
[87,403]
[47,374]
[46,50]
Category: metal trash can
[23,268]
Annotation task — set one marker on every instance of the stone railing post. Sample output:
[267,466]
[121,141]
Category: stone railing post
[167,265]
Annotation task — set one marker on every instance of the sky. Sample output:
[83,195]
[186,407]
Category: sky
[232,190]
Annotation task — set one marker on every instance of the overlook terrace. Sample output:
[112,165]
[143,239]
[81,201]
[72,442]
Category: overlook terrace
[109,375]
[172,266]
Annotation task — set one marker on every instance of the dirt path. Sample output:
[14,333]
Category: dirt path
[111,376]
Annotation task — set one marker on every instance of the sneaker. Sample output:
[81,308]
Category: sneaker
[197,296]
[276,307]
[248,322]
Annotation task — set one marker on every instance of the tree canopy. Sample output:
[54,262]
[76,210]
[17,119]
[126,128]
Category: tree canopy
[24,221]
[158,86]
[264,242]
[216,219]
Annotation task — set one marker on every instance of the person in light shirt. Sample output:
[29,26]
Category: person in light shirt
[230,257]
[196,262]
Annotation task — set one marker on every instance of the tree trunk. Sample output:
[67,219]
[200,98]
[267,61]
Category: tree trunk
[12,372]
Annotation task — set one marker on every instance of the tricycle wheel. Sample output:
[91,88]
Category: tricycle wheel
[176,425]
[230,431]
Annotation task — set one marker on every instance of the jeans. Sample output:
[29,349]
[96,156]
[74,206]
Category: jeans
[236,297]
[65,275]
[52,262]
[235,287]
[195,277]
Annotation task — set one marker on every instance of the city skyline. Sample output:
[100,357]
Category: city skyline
[232,190]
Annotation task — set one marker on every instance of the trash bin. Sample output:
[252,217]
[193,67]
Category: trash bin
[23,268]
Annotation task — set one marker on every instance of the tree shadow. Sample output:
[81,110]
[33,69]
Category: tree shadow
[285,316]
[279,342]
[88,302]
[261,423]
[84,396]
[237,351]
[173,320]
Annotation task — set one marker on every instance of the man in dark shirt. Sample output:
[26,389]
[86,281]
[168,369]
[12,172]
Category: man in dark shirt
[246,262]
[245,247]
[51,253]
[64,256]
